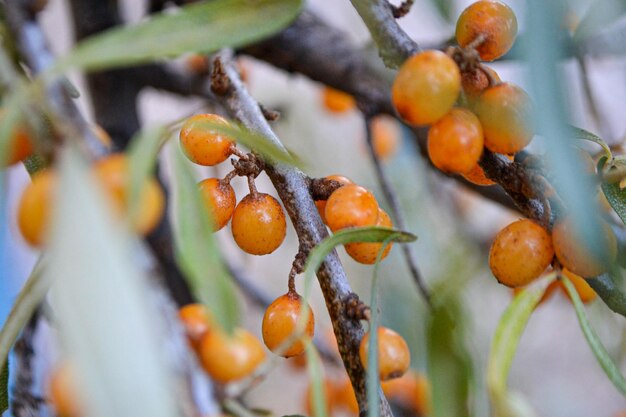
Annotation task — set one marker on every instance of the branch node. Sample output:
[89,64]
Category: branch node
[269,114]
[220,83]
[355,308]
[402,10]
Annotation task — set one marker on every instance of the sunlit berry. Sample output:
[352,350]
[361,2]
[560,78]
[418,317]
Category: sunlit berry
[63,391]
[351,206]
[504,111]
[411,391]
[321,204]
[35,207]
[577,256]
[385,136]
[582,287]
[259,224]
[219,199]
[231,357]
[366,252]
[337,101]
[279,323]
[520,253]
[492,20]
[197,320]
[203,145]
[394,357]
[455,142]
[426,87]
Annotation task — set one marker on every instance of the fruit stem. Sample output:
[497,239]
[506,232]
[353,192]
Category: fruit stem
[228,178]
[252,186]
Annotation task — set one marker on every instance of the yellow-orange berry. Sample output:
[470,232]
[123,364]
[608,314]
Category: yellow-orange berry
[203,145]
[197,321]
[35,207]
[394,357]
[455,142]
[426,87]
[576,255]
[520,253]
[279,323]
[337,101]
[329,394]
[411,391]
[321,204]
[258,224]
[366,252]
[385,136]
[351,206]
[63,391]
[219,199]
[113,174]
[477,176]
[504,111]
[584,290]
[344,396]
[476,81]
[231,357]
[492,20]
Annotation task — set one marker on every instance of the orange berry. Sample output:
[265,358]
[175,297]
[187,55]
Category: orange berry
[520,253]
[584,290]
[197,320]
[298,362]
[351,206]
[337,101]
[258,224]
[504,111]
[366,252]
[113,174]
[197,63]
[385,136]
[321,204]
[35,207]
[328,393]
[426,87]
[477,176]
[219,199]
[455,142]
[344,396]
[411,391]
[577,256]
[476,81]
[202,145]
[63,391]
[231,357]
[394,357]
[279,323]
[494,21]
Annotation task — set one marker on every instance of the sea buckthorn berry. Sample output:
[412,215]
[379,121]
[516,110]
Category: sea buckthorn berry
[455,142]
[504,111]
[394,357]
[344,396]
[520,253]
[426,87]
[477,176]
[219,199]
[203,145]
[351,206]
[35,207]
[492,20]
[20,146]
[113,174]
[366,252]
[411,391]
[279,323]
[476,81]
[197,320]
[385,136]
[321,204]
[578,257]
[337,101]
[258,224]
[584,290]
[231,357]
[63,391]
[329,394]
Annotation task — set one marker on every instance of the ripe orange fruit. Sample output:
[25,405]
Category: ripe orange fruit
[394,357]
[477,176]
[366,252]
[203,145]
[351,206]
[227,357]
[35,207]
[584,290]
[279,323]
[455,142]
[426,87]
[113,174]
[197,320]
[63,391]
[344,395]
[337,101]
[321,204]
[576,255]
[259,225]
[491,19]
[520,253]
[329,393]
[385,136]
[411,391]
[504,111]
[219,199]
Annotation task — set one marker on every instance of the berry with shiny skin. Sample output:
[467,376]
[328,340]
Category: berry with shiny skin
[35,207]
[258,224]
[219,199]
[279,323]
[197,321]
[366,252]
[203,145]
[351,206]
[426,87]
[394,357]
[321,204]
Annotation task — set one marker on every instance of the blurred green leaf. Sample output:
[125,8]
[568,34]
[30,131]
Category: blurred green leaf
[202,27]
[616,198]
[196,250]
[599,351]
[583,134]
[600,15]
[316,379]
[445,9]
[4,387]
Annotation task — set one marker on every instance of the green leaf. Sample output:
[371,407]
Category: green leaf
[599,351]
[316,378]
[4,387]
[202,27]
[583,134]
[616,198]
[600,15]
[196,250]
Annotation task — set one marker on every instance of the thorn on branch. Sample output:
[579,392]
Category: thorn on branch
[220,83]
[355,308]
[269,114]
[402,10]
